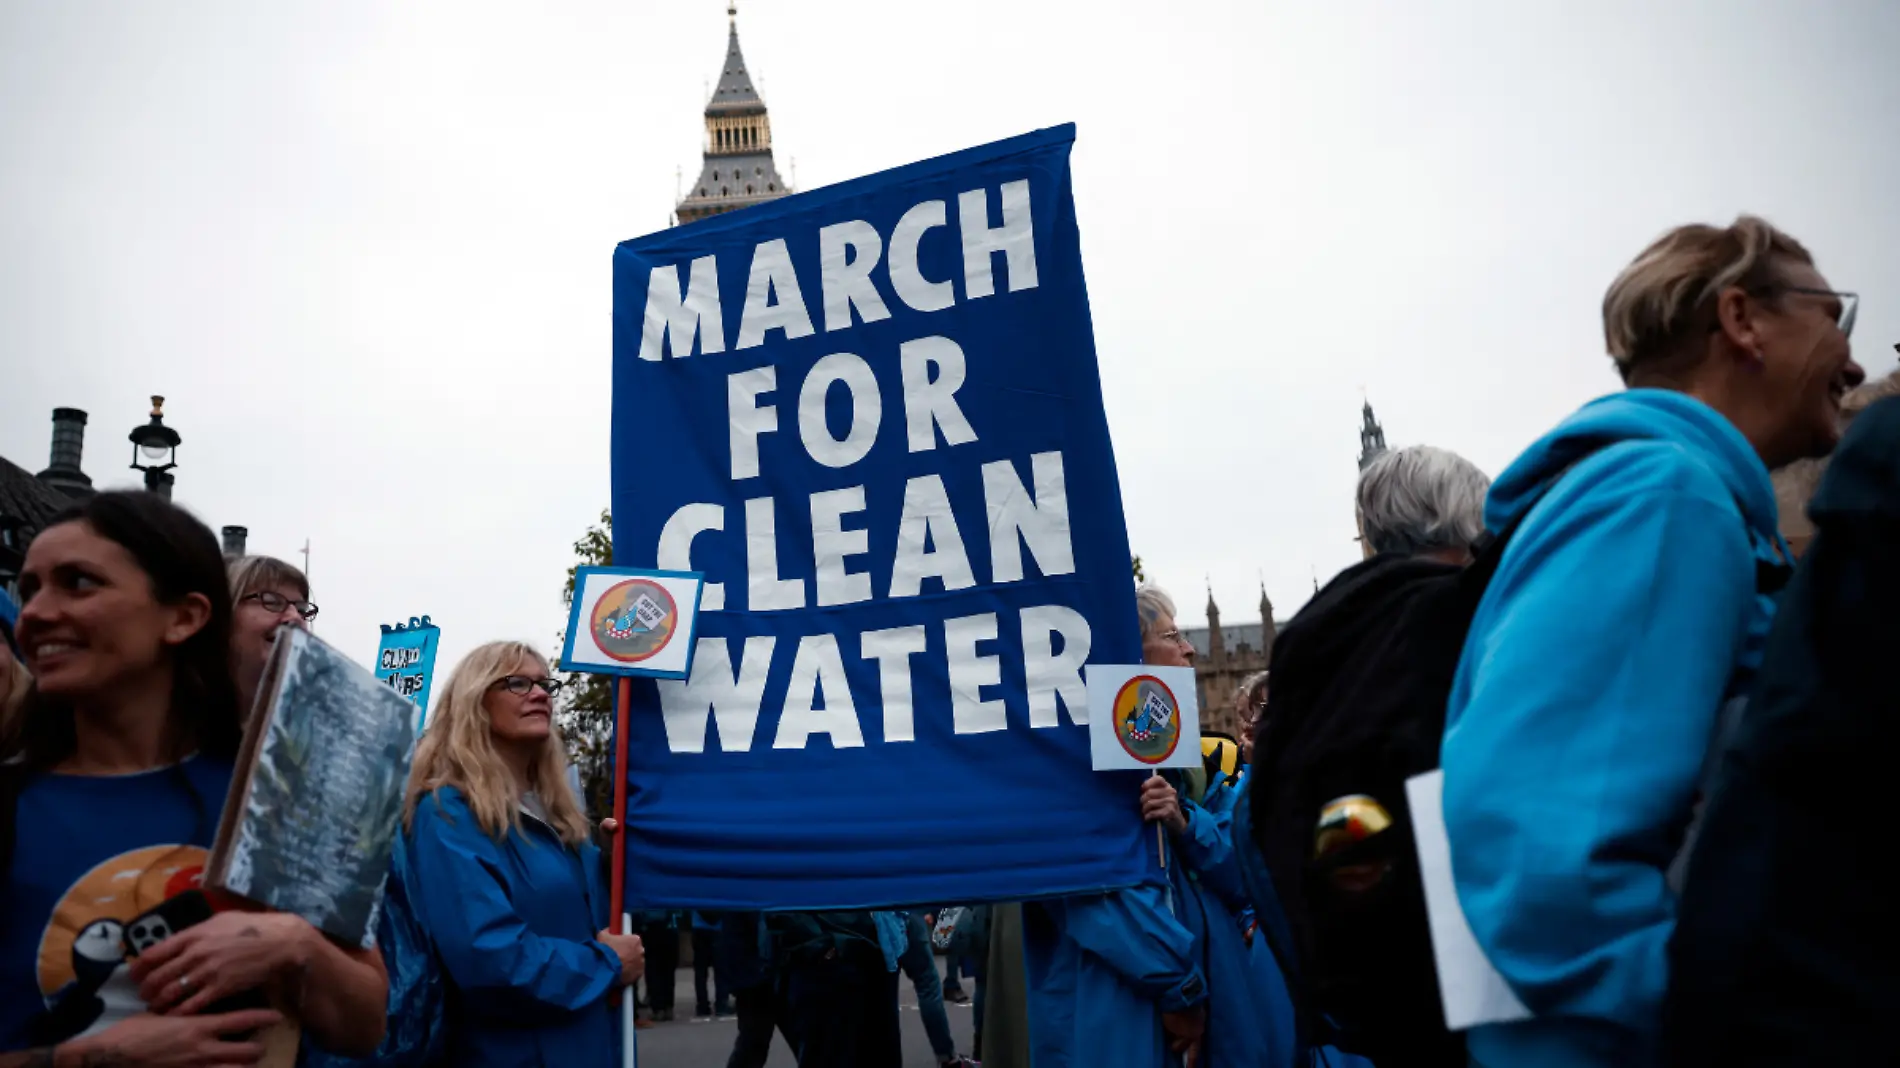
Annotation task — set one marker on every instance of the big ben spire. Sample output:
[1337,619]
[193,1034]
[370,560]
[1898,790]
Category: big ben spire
[1371,437]
[738,171]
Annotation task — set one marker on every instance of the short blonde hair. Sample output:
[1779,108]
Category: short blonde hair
[254,574]
[459,750]
[1658,303]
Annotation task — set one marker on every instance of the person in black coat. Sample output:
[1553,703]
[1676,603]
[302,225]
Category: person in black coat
[1786,949]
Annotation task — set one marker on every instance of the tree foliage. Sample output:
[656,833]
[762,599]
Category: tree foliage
[585,708]
[1140,576]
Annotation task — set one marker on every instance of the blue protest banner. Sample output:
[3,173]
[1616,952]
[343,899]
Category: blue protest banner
[405,661]
[870,416]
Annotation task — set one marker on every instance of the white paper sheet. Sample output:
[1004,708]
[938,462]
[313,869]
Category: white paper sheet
[1158,724]
[1473,991]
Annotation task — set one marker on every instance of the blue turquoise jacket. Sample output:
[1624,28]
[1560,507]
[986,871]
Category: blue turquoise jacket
[1102,968]
[1249,1012]
[513,923]
[1623,613]
[1267,924]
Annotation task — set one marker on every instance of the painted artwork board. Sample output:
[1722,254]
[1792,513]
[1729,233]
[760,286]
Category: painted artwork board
[1143,717]
[318,791]
[632,621]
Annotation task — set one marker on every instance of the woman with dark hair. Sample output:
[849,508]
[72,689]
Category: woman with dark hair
[110,793]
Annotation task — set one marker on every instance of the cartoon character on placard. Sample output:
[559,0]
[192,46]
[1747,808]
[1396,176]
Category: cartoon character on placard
[1147,720]
[83,966]
[634,620]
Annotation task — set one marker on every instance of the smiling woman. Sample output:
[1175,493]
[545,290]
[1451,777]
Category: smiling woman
[112,786]
[506,881]
[266,593]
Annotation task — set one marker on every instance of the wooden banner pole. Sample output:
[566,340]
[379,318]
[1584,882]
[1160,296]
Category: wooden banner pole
[617,879]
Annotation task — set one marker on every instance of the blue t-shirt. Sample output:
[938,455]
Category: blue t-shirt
[92,853]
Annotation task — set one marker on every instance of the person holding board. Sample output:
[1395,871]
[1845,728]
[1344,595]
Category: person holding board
[508,884]
[110,794]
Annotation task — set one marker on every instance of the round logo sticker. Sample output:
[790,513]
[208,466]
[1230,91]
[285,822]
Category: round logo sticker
[634,620]
[1147,719]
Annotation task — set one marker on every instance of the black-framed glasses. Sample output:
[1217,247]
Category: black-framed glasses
[519,685]
[1850,303]
[275,603]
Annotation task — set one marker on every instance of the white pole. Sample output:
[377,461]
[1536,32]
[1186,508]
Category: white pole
[629,1057]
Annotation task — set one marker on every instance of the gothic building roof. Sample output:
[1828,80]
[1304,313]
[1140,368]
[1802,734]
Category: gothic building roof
[26,504]
[26,498]
[734,94]
[1371,437]
[732,182]
[738,170]
[1232,637]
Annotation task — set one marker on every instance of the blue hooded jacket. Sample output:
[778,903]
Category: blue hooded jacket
[1250,1012]
[1102,968]
[1623,613]
[513,923]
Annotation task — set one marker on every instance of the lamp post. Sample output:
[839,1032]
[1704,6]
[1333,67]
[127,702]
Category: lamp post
[157,446]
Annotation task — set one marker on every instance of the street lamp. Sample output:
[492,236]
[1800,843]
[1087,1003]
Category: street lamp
[157,445]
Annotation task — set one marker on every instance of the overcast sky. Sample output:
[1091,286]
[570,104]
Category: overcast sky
[364,249]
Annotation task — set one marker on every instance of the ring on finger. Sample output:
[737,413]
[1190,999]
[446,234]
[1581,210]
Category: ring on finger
[184,983]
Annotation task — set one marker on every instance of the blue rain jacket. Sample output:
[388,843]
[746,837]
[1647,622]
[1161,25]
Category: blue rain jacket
[1267,923]
[1249,1011]
[418,1031]
[513,923]
[1623,614]
[1102,968]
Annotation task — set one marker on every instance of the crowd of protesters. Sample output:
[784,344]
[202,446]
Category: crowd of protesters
[1658,725]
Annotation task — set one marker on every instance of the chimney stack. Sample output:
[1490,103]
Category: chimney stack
[234,540]
[69,443]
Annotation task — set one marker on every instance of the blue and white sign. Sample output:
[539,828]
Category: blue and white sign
[631,621]
[870,417]
[405,662]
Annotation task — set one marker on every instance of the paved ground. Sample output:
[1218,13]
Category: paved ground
[687,1043]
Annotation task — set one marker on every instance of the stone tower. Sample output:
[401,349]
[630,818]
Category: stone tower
[738,171]
[1216,641]
[1268,630]
[1371,434]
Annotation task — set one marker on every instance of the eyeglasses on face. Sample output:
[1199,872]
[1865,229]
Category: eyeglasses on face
[275,603]
[1849,302]
[1176,637]
[519,685]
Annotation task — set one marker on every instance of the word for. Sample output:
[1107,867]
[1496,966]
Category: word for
[818,693]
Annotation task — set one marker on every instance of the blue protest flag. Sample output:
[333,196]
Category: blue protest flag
[405,662]
[870,416]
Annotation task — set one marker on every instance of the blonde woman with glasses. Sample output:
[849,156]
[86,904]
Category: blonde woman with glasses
[508,885]
[267,594]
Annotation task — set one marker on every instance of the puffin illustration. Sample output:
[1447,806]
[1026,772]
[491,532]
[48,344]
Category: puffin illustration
[98,952]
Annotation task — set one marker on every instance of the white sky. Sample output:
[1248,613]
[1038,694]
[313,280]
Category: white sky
[364,248]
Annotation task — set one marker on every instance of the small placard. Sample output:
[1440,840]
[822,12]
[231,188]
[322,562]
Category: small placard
[632,621]
[1143,717]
